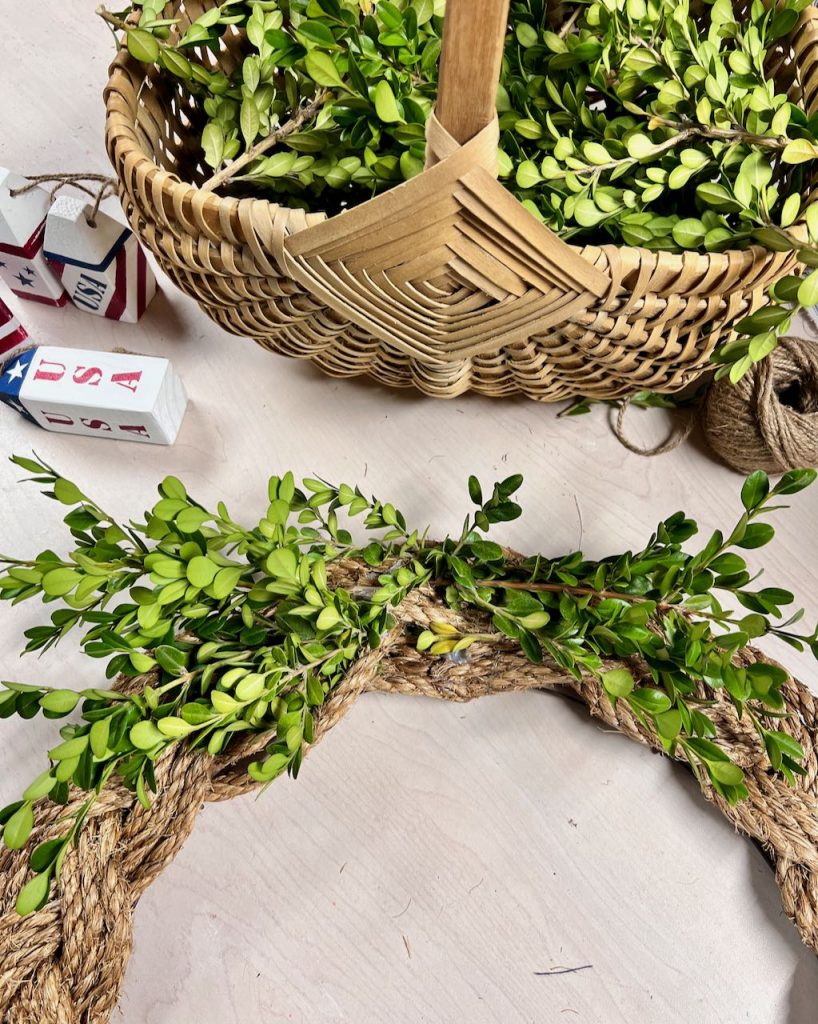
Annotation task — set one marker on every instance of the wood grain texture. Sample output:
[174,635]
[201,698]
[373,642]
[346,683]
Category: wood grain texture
[498,839]
[473,38]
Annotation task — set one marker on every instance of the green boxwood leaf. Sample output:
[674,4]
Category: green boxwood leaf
[40,787]
[213,144]
[795,480]
[174,728]
[756,535]
[316,32]
[67,493]
[386,105]
[69,749]
[18,827]
[762,345]
[653,701]
[99,736]
[225,582]
[142,46]
[34,894]
[60,702]
[527,175]
[799,151]
[618,682]
[201,571]
[45,854]
[808,291]
[321,69]
[145,736]
[755,490]
[689,233]
[60,582]
[249,120]
[171,659]
[174,62]
[725,772]
[282,563]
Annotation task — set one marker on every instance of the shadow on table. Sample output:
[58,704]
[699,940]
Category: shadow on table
[803,994]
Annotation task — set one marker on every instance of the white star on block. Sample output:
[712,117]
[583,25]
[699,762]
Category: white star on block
[16,372]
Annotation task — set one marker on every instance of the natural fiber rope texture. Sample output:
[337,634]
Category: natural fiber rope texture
[65,964]
[769,419]
[677,437]
[108,187]
[445,282]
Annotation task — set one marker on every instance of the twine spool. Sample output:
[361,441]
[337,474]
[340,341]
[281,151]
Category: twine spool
[769,419]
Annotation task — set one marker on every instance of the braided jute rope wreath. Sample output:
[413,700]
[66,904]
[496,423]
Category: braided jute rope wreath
[66,964]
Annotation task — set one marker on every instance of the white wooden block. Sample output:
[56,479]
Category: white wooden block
[102,267]
[12,332]
[99,394]
[23,265]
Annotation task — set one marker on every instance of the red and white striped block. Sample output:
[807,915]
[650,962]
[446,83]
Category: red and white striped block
[12,332]
[23,266]
[103,268]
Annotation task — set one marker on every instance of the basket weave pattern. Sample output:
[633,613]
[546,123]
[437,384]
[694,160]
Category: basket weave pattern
[444,282]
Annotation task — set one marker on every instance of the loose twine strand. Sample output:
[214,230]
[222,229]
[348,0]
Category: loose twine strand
[65,964]
[676,438]
[108,187]
[768,420]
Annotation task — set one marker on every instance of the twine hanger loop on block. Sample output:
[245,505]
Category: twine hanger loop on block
[107,187]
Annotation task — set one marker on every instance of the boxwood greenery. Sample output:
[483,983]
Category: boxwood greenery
[247,630]
[654,123]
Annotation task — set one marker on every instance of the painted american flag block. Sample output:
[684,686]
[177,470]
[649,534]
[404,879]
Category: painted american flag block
[101,265]
[23,266]
[98,394]
[12,332]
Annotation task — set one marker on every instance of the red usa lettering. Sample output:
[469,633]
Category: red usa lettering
[58,419]
[130,380]
[49,370]
[91,375]
[61,419]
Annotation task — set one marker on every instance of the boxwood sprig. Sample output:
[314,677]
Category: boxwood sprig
[247,631]
[650,123]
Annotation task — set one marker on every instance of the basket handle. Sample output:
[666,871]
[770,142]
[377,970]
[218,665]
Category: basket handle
[473,39]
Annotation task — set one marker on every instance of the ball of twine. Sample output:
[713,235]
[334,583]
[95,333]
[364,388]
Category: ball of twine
[769,419]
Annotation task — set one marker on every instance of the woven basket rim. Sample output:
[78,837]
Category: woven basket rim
[124,149]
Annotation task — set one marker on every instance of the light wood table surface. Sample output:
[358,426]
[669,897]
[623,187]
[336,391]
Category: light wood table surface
[431,859]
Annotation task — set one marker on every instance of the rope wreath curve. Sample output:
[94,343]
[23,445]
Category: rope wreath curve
[66,963]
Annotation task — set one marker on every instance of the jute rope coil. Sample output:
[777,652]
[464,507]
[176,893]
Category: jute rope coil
[65,964]
[445,282]
[769,420]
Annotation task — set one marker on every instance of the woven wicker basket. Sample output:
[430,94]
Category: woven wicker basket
[444,282]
